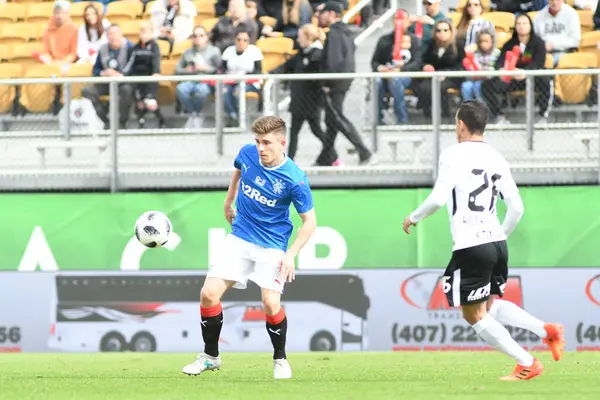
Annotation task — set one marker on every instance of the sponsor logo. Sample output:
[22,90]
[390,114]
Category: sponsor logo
[592,290]
[255,195]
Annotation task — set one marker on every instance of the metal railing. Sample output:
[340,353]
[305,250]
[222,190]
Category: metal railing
[552,152]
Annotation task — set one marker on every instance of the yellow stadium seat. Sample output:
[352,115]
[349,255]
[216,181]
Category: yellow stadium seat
[39,97]
[165,48]
[275,51]
[180,48]
[78,9]
[207,24]
[146,13]
[8,93]
[4,52]
[454,17]
[23,54]
[12,12]
[78,70]
[19,32]
[503,21]
[166,90]
[586,20]
[574,89]
[589,43]
[549,62]
[131,30]
[502,38]
[533,14]
[37,31]
[39,12]
[120,11]
[268,21]
[205,9]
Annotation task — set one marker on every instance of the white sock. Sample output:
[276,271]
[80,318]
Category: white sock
[493,333]
[509,313]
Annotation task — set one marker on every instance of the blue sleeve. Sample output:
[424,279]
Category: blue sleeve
[302,196]
[237,163]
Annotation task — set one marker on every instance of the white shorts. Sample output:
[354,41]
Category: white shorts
[240,261]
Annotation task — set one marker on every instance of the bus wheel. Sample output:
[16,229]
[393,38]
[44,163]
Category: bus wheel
[113,341]
[142,342]
[322,341]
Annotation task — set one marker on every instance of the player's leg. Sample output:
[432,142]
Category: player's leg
[230,269]
[508,313]
[467,280]
[266,275]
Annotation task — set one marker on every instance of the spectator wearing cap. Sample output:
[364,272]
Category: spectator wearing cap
[60,37]
[432,15]
[111,60]
[224,31]
[338,57]
[559,27]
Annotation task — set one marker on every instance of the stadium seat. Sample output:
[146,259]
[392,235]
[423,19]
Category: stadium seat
[7,92]
[23,54]
[454,17]
[502,38]
[131,30]
[120,11]
[39,97]
[146,13]
[503,21]
[16,33]
[532,14]
[37,31]
[39,12]
[4,52]
[275,51]
[207,24]
[78,70]
[165,48]
[268,21]
[166,90]
[12,12]
[77,10]
[589,44]
[180,48]
[574,89]
[205,9]
[586,20]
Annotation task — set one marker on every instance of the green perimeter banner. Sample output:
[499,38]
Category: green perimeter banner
[357,229]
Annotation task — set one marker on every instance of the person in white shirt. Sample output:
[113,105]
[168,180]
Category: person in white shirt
[558,25]
[589,5]
[91,35]
[471,175]
[240,59]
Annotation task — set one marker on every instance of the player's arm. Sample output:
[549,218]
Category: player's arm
[438,196]
[231,195]
[309,224]
[514,204]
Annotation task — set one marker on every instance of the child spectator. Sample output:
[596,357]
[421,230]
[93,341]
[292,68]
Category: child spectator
[485,56]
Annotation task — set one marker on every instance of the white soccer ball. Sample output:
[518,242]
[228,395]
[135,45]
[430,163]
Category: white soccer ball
[152,229]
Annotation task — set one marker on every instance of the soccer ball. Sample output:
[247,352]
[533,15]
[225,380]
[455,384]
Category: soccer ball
[152,229]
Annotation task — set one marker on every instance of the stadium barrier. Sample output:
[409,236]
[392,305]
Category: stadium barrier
[71,150]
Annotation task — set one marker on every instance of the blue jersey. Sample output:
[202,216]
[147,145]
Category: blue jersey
[264,198]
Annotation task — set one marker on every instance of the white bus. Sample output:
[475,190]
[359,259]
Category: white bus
[160,312]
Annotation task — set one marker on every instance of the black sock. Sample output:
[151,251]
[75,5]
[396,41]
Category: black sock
[211,321]
[277,329]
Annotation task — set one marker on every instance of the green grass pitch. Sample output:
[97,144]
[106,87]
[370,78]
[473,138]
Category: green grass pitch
[326,376]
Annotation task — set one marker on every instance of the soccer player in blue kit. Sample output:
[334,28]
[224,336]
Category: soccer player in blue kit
[257,247]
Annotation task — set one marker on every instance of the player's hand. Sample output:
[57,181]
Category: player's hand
[407,224]
[230,214]
[287,269]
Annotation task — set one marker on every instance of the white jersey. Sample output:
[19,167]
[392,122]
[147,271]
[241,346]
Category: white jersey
[471,177]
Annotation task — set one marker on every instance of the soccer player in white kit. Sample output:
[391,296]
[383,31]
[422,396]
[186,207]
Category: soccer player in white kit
[257,247]
[471,176]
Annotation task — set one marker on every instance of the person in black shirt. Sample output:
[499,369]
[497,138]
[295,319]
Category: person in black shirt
[144,60]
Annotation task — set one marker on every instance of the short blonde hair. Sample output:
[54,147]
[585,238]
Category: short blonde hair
[269,124]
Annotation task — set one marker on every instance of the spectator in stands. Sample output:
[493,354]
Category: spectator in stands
[144,60]
[383,61]
[486,56]
[173,20]
[60,37]
[515,6]
[240,59]
[202,59]
[559,27]
[443,54]
[589,5]
[532,57]
[221,7]
[432,15]
[338,57]
[295,13]
[471,24]
[111,60]
[306,97]
[224,32]
[252,9]
[91,35]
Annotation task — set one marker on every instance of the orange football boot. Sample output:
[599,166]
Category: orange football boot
[522,373]
[555,340]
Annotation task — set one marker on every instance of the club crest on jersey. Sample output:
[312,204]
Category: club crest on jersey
[260,181]
[278,186]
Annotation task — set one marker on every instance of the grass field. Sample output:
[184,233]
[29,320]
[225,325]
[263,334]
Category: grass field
[316,376]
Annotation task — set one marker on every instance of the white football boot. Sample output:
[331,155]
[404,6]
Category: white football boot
[203,362]
[281,369]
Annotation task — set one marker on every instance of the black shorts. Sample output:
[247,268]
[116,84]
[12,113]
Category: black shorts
[475,273]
